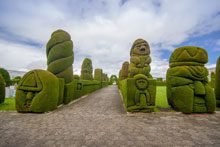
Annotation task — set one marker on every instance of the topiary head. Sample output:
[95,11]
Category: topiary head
[141,81]
[140,47]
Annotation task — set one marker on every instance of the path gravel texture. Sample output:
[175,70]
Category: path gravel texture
[100,120]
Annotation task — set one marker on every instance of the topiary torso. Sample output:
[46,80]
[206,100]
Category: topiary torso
[86,69]
[60,55]
[187,81]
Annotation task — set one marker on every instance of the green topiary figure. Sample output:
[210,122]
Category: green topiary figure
[86,69]
[2,89]
[60,55]
[212,82]
[140,59]
[98,74]
[187,82]
[124,70]
[38,91]
[6,76]
[217,82]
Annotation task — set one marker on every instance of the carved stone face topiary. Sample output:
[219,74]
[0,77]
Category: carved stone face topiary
[140,59]
[60,55]
[187,82]
[86,70]
[38,91]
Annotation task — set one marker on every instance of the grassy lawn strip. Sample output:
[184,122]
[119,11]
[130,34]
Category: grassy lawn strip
[9,104]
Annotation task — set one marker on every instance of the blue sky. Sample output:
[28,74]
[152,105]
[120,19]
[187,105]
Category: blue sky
[105,30]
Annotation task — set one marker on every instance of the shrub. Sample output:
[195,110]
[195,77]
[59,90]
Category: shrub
[16,80]
[124,70]
[76,77]
[60,55]
[217,82]
[2,89]
[38,91]
[6,76]
[98,74]
[187,82]
[86,69]
[212,81]
[113,79]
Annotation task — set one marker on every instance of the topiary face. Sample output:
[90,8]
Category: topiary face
[141,81]
[140,47]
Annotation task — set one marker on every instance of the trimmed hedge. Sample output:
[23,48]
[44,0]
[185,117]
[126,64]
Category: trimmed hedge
[86,69]
[187,82]
[113,79]
[124,70]
[38,91]
[76,77]
[212,81]
[6,76]
[60,55]
[217,82]
[2,89]
[98,74]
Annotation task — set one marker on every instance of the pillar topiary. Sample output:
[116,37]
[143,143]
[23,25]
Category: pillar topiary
[86,69]
[6,76]
[140,59]
[124,70]
[187,82]
[38,91]
[60,55]
[98,74]
[217,82]
[2,89]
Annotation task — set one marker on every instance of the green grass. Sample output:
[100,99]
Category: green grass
[9,104]
[161,97]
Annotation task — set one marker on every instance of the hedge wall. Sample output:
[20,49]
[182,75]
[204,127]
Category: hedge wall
[2,89]
[217,82]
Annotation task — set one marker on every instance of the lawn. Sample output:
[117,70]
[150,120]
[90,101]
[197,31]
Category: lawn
[161,97]
[9,104]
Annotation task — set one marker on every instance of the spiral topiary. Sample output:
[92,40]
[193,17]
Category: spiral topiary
[6,76]
[217,82]
[2,89]
[187,83]
[60,55]
[98,74]
[86,69]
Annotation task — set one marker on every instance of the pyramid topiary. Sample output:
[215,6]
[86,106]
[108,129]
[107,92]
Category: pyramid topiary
[2,89]
[98,74]
[60,55]
[187,82]
[86,69]
[6,76]
[217,82]
[38,91]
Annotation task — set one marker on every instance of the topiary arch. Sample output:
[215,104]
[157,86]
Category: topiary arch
[113,79]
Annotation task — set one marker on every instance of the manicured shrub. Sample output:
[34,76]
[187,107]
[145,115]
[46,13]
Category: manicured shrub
[120,75]
[2,89]
[217,82]
[212,81]
[16,80]
[187,82]
[6,76]
[61,91]
[140,59]
[86,69]
[76,77]
[98,74]
[124,70]
[113,79]
[68,92]
[104,77]
[38,91]
[60,55]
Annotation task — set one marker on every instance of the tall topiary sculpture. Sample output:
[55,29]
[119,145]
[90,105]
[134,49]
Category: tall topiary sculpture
[6,76]
[60,55]
[2,89]
[38,91]
[124,70]
[98,74]
[212,81]
[217,82]
[140,59]
[187,82]
[86,69]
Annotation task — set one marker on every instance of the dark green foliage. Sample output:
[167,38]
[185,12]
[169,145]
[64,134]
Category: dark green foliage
[113,79]
[105,77]
[76,77]
[120,75]
[124,70]
[2,89]
[187,83]
[86,69]
[61,91]
[140,59]
[6,76]
[98,74]
[212,81]
[38,91]
[68,92]
[160,82]
[60,55]
[217,82]
[16,80]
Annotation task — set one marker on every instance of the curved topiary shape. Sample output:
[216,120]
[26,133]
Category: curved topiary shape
[217,82]
[187,82]
[86,69]
[2,89]
[6,76]
[60,55]
[124,70]
[140,59]
[98,74]
[38,91]
[113,79]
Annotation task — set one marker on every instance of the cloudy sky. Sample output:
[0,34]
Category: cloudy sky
[105,30]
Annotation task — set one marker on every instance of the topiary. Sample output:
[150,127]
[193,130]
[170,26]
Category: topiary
[113,79]
[217,82]
[86,69]
[2,89]
[98,74]
[60,55]
[38,91]
[16,80]
[187,82]
[140,59]
[6,76]
[76,77]
[124,70]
